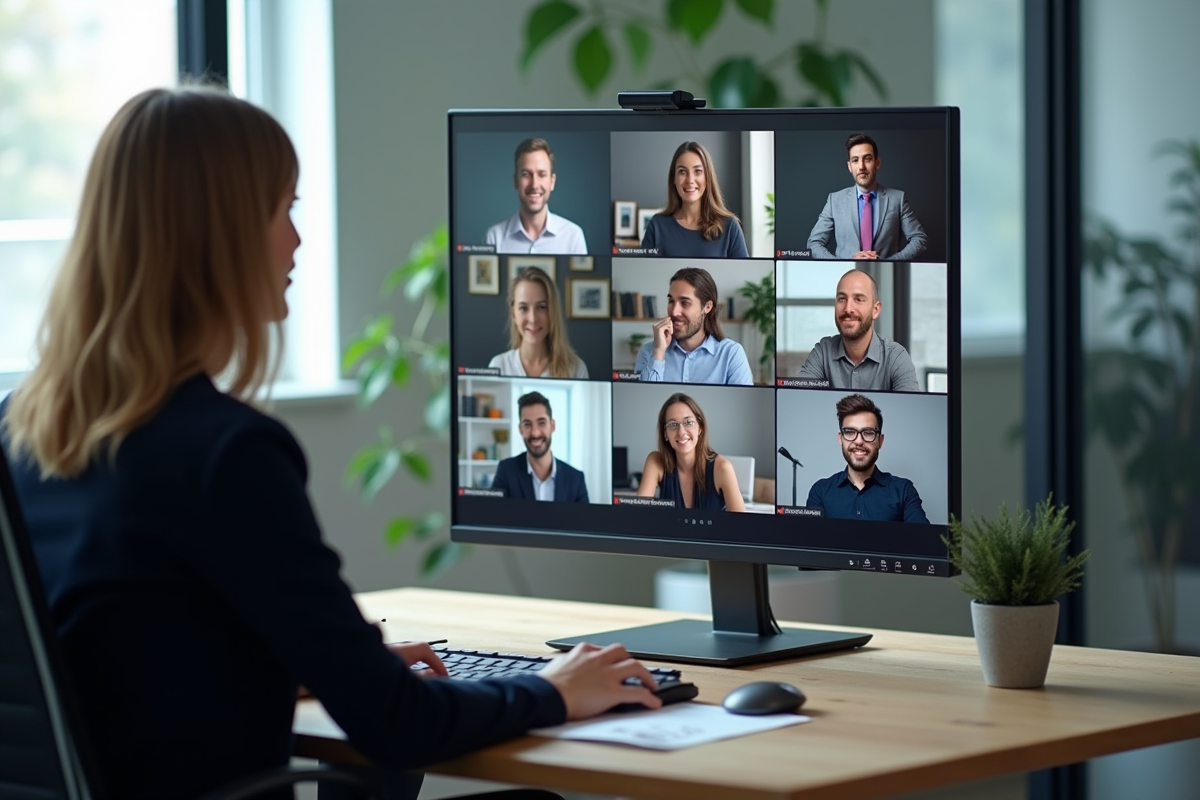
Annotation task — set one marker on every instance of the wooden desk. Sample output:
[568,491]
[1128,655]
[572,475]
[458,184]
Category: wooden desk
[908,712]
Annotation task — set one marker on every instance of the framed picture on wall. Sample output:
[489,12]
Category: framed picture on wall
[518,264]
[483,274]
[644,217]
[624,218]
[587,298]
[582,263]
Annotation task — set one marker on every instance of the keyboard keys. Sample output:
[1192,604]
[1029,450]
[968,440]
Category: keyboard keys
[473,665]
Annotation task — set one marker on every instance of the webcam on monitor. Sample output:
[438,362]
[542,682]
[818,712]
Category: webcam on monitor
[677,100]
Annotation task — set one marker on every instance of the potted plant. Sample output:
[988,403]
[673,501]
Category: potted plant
[636,340]
[1015,568]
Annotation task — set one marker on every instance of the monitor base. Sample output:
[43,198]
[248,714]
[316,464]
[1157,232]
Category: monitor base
[691,641]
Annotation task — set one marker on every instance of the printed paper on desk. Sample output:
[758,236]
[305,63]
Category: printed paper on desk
[670,728]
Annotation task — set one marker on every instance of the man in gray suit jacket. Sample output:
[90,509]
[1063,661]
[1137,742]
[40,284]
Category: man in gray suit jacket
[866,221]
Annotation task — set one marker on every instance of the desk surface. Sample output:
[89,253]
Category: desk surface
[910,711]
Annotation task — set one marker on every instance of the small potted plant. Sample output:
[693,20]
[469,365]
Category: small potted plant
[636,340]
[1015,568]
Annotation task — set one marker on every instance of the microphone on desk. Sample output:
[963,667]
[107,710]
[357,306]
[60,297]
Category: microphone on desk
[783,451]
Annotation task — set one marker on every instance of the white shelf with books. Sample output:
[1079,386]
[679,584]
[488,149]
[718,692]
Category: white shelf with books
[485,424]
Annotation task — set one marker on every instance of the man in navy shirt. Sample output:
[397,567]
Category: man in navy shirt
[862,491]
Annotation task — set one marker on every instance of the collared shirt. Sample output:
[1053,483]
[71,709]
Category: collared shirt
[886,366]
[874,196]
[883,498]
[543,490]
[560,236]
[713,361]
[509,363]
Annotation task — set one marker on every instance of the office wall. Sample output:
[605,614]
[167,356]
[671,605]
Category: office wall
[398,68]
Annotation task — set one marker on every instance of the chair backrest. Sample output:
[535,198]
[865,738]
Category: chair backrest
[39,756]
[743,468]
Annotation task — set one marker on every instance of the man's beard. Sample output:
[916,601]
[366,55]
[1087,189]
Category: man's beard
[863,328]
[872,457]
[690,329]
[537,451]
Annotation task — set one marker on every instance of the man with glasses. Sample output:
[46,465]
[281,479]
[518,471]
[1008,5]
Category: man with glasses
[856,357]
[536,474]
[862,491]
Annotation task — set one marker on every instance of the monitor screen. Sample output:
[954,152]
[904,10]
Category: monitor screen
[743,306]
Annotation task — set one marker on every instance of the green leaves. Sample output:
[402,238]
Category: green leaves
[381,358]
[738,83]
[544,22]
[1016,561]
[761,10]
[593,58]
[693,17]
[640,44]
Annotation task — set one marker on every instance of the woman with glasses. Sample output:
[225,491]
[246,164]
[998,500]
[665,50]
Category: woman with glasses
[684,468]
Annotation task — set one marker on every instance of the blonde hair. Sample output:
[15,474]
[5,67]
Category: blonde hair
[563,360]
[713,213]
[170,261]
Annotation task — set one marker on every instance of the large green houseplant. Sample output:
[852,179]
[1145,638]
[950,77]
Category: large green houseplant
[1016,568]
[1142,392]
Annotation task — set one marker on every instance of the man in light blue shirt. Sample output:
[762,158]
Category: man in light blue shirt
[533,229]
[688,346]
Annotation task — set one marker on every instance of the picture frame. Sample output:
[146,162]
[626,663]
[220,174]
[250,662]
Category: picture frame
[518,264]
[582,263]
[624,218]
[644,215]
[483,274]
[588,298]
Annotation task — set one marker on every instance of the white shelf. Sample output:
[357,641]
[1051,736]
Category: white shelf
[486,420]
[477,462]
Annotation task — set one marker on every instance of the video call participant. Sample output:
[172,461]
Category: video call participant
[695,222]
[536,474]
[534,229]
[153,496]
[684,468]
[863,491]
[857,357]
[536,332]
[688,345]
[867,220]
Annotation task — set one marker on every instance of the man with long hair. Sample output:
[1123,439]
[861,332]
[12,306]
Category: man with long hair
[688,345]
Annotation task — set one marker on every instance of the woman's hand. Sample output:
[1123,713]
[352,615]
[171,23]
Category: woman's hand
[412,652]
[591,680]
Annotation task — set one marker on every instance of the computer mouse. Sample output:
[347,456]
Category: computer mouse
[763,697]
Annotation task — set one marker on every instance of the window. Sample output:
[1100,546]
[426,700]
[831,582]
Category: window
[65,68]
[979,68]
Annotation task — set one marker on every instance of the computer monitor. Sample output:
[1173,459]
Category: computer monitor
[711,292]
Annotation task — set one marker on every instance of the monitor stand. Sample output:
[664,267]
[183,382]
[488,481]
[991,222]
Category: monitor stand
[743,629]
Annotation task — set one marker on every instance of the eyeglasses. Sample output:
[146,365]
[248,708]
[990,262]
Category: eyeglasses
[688,424]
[868,434]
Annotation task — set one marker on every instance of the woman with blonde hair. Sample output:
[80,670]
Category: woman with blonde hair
[683,467]
[536,331]
[182,561]
[695,222]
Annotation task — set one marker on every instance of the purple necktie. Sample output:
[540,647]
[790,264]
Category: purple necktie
[866,223]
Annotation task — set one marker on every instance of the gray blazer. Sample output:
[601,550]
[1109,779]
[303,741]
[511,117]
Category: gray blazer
[898,234]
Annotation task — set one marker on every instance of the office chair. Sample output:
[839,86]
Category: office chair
[43,754]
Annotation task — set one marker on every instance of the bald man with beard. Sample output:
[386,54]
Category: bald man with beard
[857,357]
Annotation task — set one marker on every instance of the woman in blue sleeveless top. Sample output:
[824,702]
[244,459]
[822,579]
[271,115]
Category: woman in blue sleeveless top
[684,468]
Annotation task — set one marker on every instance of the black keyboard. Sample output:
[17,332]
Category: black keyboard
[473,665]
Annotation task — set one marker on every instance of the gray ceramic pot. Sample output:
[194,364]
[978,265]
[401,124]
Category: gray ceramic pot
[1014,643]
